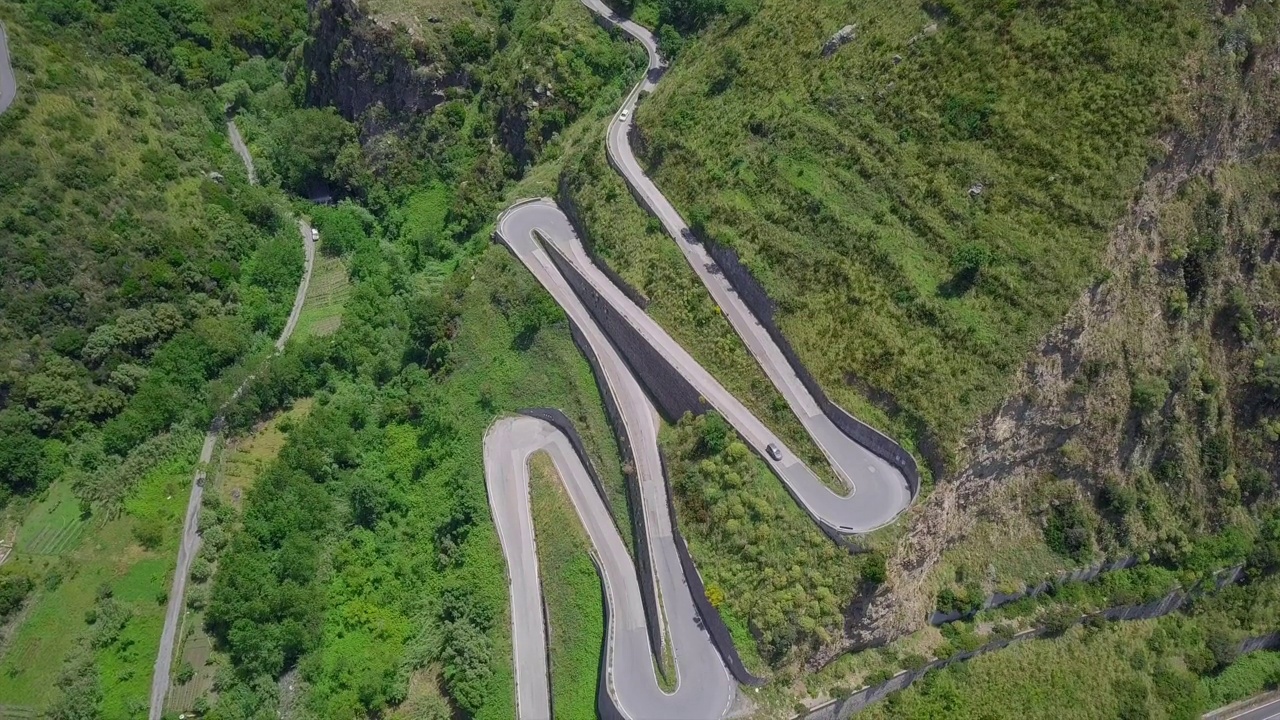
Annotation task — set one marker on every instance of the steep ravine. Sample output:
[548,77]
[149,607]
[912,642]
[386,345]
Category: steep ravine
[1069,414]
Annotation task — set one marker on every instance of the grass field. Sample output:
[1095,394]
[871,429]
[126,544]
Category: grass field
[572,592]
[68,585]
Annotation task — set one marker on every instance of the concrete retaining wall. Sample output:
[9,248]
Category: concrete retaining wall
[997,599]
[843,708]
[670,391]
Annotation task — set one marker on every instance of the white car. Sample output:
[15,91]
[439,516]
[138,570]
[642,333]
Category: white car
[623,115]
[315,235]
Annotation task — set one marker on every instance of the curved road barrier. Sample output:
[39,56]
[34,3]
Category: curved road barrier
[190,544]
[8,83]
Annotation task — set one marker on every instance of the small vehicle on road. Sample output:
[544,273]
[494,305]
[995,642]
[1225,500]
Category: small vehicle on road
[623,115]
[774,452]
[315,235]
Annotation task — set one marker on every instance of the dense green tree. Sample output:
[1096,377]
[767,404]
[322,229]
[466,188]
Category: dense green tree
[14,588]
[23,467]
[302,146]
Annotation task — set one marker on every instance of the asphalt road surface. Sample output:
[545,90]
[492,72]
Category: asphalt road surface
[1266,708]
[190,545]
[8,83]
[187,550]
[309,245]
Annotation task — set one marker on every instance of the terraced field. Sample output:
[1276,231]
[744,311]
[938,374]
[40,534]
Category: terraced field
[329,290]
[55,525]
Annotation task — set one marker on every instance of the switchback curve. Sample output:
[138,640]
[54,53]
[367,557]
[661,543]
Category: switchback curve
[881,480]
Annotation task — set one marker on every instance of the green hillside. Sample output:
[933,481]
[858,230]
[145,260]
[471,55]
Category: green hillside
[925,202]
[136,262]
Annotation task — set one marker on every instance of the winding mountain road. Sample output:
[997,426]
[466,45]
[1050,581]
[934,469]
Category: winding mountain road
[878,491]
[190,543]
[8,83]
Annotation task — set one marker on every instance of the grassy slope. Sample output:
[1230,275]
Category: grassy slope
[844,182]
[1087,673]
[572,592]
[107,553]
[776,572]
[1083,674]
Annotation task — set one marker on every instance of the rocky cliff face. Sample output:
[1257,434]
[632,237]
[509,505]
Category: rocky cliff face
[371,73]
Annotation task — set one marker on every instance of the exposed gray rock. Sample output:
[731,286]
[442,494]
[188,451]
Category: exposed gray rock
[843,36]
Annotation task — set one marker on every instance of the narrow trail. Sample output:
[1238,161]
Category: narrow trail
[237,143]
[8,83]
[190,544]
[539,234]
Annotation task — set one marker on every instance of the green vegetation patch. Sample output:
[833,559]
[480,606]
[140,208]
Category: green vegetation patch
[926,202]
[761,556]
[572,592]
[102,602]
